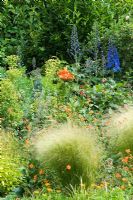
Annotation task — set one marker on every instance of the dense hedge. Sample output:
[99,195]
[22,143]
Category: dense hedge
[42,29]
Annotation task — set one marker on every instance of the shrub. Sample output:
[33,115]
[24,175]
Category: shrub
[11,112]
[10,162]
[72,153]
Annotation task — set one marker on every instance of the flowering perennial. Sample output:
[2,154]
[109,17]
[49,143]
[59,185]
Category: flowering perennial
[113,59]
[65,75]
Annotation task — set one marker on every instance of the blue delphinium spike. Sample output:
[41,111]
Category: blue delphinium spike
[113,59]
[116,67]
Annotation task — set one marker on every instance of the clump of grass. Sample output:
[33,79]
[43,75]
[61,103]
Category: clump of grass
[71,152]
[121,130]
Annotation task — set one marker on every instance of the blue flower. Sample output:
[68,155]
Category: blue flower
[113,61]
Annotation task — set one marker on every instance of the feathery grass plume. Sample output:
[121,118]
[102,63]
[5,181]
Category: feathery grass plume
[121,130]
[71,152]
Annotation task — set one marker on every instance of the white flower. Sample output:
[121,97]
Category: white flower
[127,17]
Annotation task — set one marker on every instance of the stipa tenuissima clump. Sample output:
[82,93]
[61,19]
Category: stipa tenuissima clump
[71,152]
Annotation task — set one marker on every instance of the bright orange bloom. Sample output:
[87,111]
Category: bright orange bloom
[31,166]
[125,160]
[117,175]
[65,75]
[127,150]
[68,167]
[41,172]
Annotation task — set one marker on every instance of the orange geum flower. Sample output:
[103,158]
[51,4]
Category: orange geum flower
[47,184]
[127,150]
[27,142]
[35,178]
[31,166]
[65,75]
[68,167]
[126,168]
[46,181]
[122,187]
[49,189]
[125,159]
[124,180]
[118,175]
[41,172]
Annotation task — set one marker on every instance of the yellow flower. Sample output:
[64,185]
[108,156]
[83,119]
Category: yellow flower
[58,191]
[49,189]
[124,180]
[47,184]
[128,151]
[123,187]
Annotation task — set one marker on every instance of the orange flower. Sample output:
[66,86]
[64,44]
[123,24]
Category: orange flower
[124,180]
[41,172]
[31,166]
[117,175]
[35,178]
[123,187]
[126,168]
[65,75]
[47,184]
[68,167]
[128,151]
[90,127]
[26,141]
[125,160]
[28,128]
[67,109]
[46,181]
[107,123]
[49,189]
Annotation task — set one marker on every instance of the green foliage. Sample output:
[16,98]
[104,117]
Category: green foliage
[10,107]
[11,160]
[35,28]
[72,155]
[50,69]
[12,61]
[114,194]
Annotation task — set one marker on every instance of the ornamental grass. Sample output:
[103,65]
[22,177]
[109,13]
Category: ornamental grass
[120,130]
[71,152]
